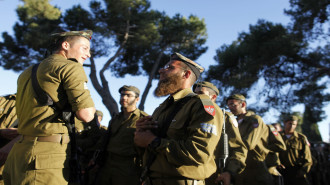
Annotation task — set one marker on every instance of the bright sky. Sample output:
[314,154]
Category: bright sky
[224,20]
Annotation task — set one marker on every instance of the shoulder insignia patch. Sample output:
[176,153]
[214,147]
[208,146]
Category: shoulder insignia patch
[209,128]
[255,125]
[233,119]
[210,109]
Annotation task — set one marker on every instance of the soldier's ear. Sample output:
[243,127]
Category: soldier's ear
[187,74]
[65,45]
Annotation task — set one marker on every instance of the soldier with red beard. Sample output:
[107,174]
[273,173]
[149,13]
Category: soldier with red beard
[181,135]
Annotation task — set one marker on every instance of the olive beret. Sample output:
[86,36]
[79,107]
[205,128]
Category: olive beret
[85,33]
[206,84]
[197,69]
[130,88]
[236,97]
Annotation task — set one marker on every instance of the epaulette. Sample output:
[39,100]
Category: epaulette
[207,104]
[232,118]
[143,113]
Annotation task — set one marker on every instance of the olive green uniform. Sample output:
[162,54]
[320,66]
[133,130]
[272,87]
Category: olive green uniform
[8,117]
[257,138]
[31,160]
[123,162]
[235,163]
[296,159]
[187,152]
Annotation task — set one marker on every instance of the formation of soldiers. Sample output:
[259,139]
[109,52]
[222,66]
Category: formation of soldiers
[53,132]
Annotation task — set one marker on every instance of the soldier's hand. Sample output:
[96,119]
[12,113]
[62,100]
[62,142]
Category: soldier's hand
[223,177]
[145,123]
[9,133]
[142,138]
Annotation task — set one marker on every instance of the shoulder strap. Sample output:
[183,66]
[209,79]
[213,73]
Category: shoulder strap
[42,97]
[177,108]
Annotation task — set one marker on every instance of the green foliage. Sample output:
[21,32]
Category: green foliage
[310,18]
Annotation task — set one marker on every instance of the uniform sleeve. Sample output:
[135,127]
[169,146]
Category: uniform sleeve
[237,150]
[275,140]
[308,161]
[197,144]
[75,86]
[254,132]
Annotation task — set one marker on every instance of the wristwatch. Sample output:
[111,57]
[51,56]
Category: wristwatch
[154,144]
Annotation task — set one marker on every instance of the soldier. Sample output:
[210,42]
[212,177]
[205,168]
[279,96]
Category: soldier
[181,135]
[255,135]
[122,165]
[42,154]
[235,163]
[297,159]
[272,160]
[8,128]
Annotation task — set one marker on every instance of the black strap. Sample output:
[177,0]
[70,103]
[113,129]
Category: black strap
[42,97]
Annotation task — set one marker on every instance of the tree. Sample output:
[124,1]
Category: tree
[282,60]
[126,32]
[176,34]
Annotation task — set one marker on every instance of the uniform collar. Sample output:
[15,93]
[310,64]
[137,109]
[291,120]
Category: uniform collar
[181,94]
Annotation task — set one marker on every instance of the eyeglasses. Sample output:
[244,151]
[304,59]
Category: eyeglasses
[128,95]
[233,104]
[171,67]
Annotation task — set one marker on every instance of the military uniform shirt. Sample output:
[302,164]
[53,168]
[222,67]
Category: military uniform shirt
[65,82]
[298,153]
[188,149]
[7,111]
[122,134]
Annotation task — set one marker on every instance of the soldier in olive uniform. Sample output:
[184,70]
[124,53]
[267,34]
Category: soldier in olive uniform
[42,154]
[181,135]
[255,135]
[8,128]
[123,162]
[297,159]
[235,163]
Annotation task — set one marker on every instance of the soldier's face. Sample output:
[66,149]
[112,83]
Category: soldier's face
[235,106]
[171,79]
[290,126]
[79,49]
[128,99]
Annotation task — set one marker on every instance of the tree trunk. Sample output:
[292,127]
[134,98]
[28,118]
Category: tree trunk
[151,77]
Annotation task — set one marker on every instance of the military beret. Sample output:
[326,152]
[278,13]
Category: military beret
[197,69]
[99,113]
[236,97]
[85,33]
[206,84]
[291,118]
[130,88]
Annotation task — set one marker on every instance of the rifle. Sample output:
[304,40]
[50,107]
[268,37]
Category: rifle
[224,150]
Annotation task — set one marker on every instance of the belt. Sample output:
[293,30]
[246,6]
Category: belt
[64,139]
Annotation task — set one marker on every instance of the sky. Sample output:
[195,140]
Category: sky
[224,20]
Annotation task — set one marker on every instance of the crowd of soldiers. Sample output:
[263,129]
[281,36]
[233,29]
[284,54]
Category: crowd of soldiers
[52,134]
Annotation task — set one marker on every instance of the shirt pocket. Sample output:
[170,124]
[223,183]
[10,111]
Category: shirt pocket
[51,161]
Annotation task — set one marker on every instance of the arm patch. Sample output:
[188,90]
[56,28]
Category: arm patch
[209,128]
